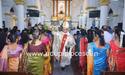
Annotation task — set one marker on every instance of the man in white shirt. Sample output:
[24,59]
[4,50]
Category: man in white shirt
[107,35]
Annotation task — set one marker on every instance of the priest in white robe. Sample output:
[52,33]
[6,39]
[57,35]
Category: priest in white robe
[66,47]
[56,43]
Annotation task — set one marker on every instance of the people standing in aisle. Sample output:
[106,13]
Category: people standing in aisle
[107,35]
[77,47]
[24,42]
[66,47]
[90,35]
[83,48]
[97,54]
[3,35]
[75,58]
[10,56]
[56,43]
[116,59]
[46,41]
[35,54]
[39,50]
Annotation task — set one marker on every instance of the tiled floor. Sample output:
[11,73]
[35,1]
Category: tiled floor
[73,69]
[58,71]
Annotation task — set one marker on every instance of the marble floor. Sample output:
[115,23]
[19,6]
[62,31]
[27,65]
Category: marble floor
[73,69]
[58,71]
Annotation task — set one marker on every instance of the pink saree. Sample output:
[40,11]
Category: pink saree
[9,60]
[47,65]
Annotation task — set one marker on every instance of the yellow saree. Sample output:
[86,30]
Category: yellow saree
[47,64]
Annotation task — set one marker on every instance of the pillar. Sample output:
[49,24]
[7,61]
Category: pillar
[20,14]
[90,5]
[124,17]
[56,8]
[38,5]
[84,20]
[65,8]
[68,7]
[1,24]
[53,7]
[104,12]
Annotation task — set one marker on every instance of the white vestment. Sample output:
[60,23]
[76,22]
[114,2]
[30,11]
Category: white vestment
[56,44]
[67,54]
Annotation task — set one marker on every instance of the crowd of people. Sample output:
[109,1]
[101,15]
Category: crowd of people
[34,49]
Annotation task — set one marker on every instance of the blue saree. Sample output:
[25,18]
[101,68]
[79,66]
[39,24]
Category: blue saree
[100,58]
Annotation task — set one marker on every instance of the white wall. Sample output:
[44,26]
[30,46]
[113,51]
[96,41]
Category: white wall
[117,7]
[47,9]
[6,6]
[75,9]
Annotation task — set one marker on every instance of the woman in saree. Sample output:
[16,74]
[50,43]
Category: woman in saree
[24,42]
[117,54]
[97,54]
[83,48]
[38,54]
[47,43]
[35,54]
[10,54]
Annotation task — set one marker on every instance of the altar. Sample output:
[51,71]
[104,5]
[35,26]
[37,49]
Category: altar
[61,11]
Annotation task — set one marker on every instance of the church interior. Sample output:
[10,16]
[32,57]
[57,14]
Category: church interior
[32,32]
[54,11]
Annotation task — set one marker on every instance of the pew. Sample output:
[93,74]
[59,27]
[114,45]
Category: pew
[112,73]
[14,73]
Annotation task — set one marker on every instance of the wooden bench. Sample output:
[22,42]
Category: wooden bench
[112,73]
[14,73]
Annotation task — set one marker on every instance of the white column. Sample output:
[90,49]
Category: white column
[124,17]
[103,15]
[80,22]
[1,24]
[90,5]
[84,14]
[20,16]
[42,19]
[38,4]
[104,12]
[84,21]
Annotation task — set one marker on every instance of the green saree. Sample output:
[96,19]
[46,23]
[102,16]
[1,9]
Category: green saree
[35,63]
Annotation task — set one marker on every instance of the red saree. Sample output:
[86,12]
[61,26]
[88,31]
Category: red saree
[82,57]
[118,55]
